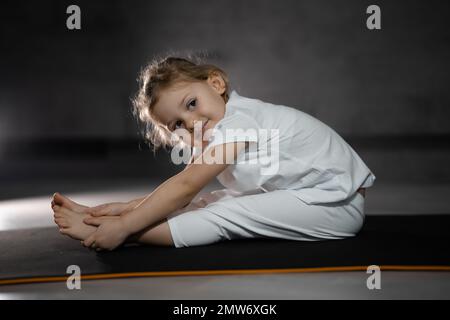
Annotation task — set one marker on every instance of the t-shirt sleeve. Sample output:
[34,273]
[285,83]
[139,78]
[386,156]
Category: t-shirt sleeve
[238,127]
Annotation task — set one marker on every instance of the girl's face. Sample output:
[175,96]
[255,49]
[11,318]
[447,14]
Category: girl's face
[194,103]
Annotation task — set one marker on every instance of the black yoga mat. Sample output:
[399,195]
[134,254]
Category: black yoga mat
[419,240]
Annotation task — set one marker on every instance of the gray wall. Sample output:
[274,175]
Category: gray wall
[317,56]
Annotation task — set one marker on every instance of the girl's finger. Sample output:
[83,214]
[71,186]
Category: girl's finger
[90,210]
[89,241]
[98,210]
[103,212]
[92,221]
[97,213]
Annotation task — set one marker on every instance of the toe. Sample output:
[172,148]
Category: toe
[58,198]
[62,211]
[66,212]
[64,201]
[62,223]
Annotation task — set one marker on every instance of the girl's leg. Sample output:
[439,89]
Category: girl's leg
[71,222]
[160,233]
[276,214]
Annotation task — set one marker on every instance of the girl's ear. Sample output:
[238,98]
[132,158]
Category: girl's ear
[217,82]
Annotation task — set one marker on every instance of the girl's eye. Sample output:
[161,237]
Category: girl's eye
[192,104]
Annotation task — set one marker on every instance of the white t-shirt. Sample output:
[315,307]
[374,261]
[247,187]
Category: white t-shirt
[289,150]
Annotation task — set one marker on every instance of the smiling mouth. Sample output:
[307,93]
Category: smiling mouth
[204,125]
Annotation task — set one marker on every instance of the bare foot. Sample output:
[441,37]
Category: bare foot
[71,223]
[62,201]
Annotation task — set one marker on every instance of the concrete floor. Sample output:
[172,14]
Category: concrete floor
[35,212]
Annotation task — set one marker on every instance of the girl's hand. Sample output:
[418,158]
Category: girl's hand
[108,209]
[109,235]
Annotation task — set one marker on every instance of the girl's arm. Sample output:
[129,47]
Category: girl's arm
[179,190]
[134,203]
[191,160]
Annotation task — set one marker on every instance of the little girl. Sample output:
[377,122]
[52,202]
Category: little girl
[311,187]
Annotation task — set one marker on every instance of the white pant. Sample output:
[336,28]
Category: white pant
[223,215]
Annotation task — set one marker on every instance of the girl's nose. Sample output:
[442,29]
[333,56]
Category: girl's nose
[190,123]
